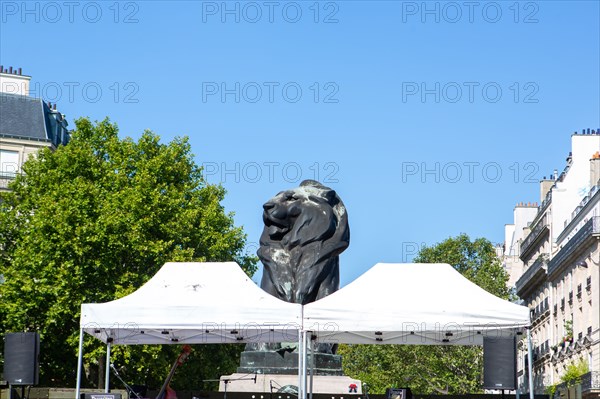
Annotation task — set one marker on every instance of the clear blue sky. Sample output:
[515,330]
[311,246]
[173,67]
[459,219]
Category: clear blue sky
[365,95]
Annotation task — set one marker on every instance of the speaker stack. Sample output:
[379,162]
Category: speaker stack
[500,363]
[21,358]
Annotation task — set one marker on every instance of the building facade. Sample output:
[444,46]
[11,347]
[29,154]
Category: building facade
[27,124]
[559,254]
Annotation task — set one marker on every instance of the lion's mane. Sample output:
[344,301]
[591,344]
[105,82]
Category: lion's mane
[306,228]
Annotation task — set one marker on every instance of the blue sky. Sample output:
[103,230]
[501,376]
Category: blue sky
[429,118]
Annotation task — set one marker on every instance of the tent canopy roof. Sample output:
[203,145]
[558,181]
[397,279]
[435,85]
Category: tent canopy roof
[212,302]
[413,303]
[389,304]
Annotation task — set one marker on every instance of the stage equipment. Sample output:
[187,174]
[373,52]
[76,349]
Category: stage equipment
[21,358]
[500,363]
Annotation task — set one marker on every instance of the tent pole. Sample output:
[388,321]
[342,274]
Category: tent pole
[107,371]
[530,363]
[312,367]
[305,381]
[300,366]
[79,364]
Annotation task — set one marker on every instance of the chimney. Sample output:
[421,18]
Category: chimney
[14,83]
[545,186]
[595,169]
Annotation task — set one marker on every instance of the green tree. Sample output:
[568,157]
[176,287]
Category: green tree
[93,221]
[573,373]
[433,369]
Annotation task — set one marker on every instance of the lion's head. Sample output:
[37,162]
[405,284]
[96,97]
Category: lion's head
[306,228]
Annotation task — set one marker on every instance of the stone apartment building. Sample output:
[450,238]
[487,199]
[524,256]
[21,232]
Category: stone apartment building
[26,124]
[553,255]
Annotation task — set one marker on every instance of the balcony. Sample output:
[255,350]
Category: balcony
[541,351]
[584,236]
[580,210]
[6,178]
[590,381]
[535,273]
[540,310]
[538,231]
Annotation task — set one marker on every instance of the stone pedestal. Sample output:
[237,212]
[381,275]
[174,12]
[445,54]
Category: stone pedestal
[274,370]
[267,383]
[271,362]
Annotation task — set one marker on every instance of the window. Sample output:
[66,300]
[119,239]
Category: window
[9,163]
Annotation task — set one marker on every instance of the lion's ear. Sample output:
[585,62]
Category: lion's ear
[330,195]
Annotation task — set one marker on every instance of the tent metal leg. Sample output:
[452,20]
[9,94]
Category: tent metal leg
[307,335]
[107,371]
[79,364]
[302,351]
[312,366]
[530,363]
[300,365]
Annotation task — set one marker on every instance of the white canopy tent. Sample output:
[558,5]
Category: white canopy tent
[191,303]
[194,303]
[413,303]
[217,303]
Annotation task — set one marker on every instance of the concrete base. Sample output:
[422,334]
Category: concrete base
[333,384]
[270,362]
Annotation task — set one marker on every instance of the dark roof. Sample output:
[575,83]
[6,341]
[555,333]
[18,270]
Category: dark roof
[30,118]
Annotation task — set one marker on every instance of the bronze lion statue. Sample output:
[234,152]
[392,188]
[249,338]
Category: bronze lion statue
[306,228]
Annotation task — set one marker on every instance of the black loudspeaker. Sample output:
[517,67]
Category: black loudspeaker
[500,363]
[21,358]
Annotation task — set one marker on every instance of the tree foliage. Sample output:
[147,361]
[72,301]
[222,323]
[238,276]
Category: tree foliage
[92,222]
[573,373]
[433,369]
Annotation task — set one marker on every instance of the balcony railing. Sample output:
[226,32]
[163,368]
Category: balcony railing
[538,268]
[590,381]
[527,244]
[7,177]
[592,227]
[570,297]
[578,209]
